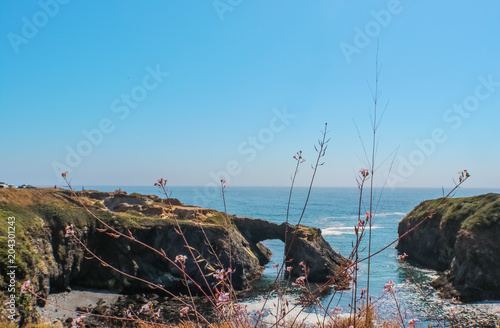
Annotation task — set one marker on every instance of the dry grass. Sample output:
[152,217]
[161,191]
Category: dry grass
[28,197]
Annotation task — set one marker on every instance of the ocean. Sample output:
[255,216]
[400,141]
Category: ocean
[335,212]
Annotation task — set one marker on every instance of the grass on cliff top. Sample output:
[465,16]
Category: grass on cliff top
[46,211]
[33,208]
[471,213]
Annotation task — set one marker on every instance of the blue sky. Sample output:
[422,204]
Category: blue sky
[125,92]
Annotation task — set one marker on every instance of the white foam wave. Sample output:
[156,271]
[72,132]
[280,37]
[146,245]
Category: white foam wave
[391,213]
[343,217]
[338,231]
[339,217]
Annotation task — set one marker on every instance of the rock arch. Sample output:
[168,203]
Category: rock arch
[308,246]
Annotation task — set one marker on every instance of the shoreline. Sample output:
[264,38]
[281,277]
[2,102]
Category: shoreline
[61,306]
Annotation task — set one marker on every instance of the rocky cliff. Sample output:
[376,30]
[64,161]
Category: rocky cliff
[54,262]
[461,240]
[303,244]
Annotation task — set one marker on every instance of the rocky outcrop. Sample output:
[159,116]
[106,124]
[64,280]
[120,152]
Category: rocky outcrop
[303,244]
[461,240]
[121,202]
[55,263]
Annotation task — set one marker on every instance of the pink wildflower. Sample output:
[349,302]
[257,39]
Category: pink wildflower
[412,323]
[145,307]
[25,287]
[289,269]
[223,183]
[77,321]
[389,286]
[161,182]
[276,265]
[402,256]
[463,175]
[181,259]
[219,274]
[69,231]
[240,310]
[299,281]
[184,311]
[223,298]
[368,215]
[337,311]
[364,173]
[298,157]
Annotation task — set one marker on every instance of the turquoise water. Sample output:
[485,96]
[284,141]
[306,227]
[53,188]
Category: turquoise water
[334,210]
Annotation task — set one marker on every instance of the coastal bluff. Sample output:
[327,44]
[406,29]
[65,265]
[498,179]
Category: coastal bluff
[461,240]
[56,263]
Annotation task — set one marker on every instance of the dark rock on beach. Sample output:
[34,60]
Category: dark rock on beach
[461,239]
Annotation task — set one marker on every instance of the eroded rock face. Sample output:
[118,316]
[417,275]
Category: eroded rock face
[66,263]
[136,260]
[62,262]
[302,243]
[462,240]
[116,200]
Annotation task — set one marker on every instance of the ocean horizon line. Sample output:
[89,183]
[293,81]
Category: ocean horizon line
[229,186]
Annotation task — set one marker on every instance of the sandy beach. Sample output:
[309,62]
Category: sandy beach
[62,306]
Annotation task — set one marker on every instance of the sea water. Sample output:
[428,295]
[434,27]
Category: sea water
[335,212]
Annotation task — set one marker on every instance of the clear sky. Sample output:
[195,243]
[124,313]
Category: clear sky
[124,92]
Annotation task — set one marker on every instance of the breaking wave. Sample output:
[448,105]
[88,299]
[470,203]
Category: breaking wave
[355,216]
[338,231]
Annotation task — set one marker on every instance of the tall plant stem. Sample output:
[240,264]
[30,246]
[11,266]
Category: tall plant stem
[372,169]
[299,159]
[356,252]
[321,152]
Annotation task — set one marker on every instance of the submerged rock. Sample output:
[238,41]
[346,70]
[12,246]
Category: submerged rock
[462,240]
